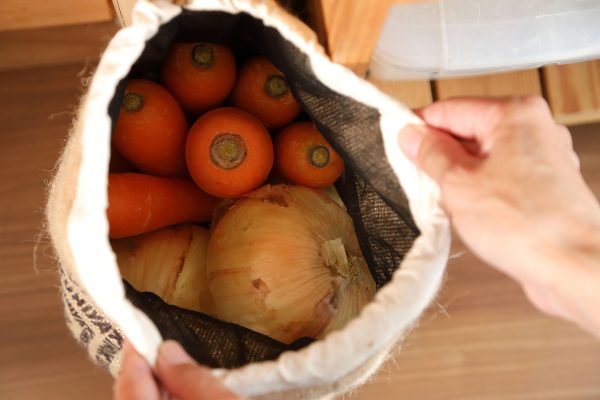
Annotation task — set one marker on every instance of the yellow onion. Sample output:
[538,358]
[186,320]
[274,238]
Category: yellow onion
[285,261]
[169,262]
[332,193]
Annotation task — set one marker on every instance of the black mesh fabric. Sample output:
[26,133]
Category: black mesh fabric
[368,187]
[212,342]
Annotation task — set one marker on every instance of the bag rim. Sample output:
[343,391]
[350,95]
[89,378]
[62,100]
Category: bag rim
[326,361]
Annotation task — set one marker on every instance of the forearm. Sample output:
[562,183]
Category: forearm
[579,288]
[570,284]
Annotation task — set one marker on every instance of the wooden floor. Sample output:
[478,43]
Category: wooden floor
[481,340]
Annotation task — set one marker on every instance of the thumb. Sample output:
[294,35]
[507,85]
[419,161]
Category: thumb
[434,151]
[184,379]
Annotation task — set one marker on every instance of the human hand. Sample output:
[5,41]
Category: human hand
[511,185]
[179,376]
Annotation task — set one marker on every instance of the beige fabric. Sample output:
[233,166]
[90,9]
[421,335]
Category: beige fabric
[78,227]
[102,339]
[61,197]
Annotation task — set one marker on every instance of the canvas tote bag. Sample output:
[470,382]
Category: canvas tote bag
[403,233]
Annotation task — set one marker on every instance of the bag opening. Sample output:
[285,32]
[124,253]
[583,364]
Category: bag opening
[368,187]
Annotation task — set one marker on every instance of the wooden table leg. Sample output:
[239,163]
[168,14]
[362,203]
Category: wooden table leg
[349,30]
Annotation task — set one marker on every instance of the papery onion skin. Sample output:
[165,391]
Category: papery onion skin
[265,267]
[169,262]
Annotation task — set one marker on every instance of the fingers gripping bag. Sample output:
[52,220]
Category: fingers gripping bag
[402,232]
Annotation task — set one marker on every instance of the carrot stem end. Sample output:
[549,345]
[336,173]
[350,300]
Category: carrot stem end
[228,150]
[276,86]
[318,156]
[202,56]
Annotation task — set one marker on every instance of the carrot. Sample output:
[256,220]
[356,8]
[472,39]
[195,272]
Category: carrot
[262,90]
[118,162]
[139,203]
[200,75]
[228,152]
[303,156]
[151,129]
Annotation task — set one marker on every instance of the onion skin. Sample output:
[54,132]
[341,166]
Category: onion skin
[266,269]
[169,262]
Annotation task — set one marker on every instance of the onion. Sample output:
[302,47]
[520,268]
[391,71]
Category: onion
[332,193]
[285,261]
[169,262]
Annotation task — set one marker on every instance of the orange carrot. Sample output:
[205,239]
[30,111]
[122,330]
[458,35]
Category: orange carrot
[139,203]
[261,89]
[200,75]
[151,129]
[228,152]
[118,162]
[303,156]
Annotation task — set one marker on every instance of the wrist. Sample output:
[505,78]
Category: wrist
[573,280]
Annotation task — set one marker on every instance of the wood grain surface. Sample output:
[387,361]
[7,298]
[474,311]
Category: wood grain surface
[480,340]
[40,359]
[573,91]
[123,10]
[514,83]
[22,14]
[413,94]
[53,46]
[349,33]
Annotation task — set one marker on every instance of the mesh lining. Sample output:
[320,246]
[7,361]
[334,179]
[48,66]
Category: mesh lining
[369,188]
[212,342]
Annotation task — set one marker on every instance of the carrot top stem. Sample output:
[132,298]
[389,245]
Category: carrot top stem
[133,102]
[276,86]
[228,150]
[318,156]
[202,56]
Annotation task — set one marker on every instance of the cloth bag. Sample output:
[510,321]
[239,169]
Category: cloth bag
[402,231]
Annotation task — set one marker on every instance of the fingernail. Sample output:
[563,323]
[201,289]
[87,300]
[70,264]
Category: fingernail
[172,353]
[410,139]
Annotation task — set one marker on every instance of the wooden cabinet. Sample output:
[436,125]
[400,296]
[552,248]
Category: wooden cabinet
[573,91]
[24,14]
